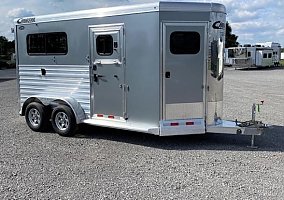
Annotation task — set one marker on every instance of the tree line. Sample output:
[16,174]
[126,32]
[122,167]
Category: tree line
[6,47]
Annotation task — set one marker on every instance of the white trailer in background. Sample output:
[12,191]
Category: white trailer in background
[249,56]
[153,68]
[276,47]
[227,60]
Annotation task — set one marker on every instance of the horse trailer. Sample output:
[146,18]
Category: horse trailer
[249,56]
[155,68]
[276,47]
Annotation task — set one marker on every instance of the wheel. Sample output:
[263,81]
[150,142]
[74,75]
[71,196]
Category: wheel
[36,117]
[63,121]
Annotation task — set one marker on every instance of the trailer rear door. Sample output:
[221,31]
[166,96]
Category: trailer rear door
[107,71]
[184,64]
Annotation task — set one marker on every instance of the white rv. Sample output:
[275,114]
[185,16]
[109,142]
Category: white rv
[276,47]
[155,68]
[249,56]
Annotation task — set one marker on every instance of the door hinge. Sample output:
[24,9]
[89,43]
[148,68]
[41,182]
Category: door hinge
[125,116]
[207,87]
[124,87]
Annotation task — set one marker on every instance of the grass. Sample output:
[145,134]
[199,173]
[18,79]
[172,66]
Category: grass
[282,63]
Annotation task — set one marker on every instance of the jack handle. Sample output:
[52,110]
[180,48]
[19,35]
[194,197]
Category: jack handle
[255,107]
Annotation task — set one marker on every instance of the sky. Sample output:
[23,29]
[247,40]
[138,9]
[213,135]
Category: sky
[252,20]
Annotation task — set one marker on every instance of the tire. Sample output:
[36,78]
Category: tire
[36,117]
[63,121]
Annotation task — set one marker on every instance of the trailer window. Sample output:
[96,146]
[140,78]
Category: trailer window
[265,55]
[104,45]
[182,42]
[249,54]
[54,43]
[270,55]
[231,53]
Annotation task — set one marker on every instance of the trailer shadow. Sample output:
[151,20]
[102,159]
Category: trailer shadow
[271,140]
[261,68]
[5,79]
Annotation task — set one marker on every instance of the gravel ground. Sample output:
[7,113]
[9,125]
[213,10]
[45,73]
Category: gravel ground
[111,164]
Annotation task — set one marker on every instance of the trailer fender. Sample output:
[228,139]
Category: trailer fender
[26,103]
[75,106]
[55,101]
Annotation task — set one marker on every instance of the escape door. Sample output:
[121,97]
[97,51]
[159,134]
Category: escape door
[107,71]
[184,67]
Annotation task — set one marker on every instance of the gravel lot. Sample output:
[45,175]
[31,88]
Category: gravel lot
[111,164]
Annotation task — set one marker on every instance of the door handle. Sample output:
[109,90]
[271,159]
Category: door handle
[43,71]
[97,76]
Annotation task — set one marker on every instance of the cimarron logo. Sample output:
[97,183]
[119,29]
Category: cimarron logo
[26,20]
[219,25]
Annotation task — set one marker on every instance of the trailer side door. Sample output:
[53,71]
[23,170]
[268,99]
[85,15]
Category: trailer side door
[107,71]
[184,64]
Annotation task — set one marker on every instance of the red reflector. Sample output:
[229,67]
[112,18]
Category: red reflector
[174,124]
[111,117]
[100,115]
[189,123]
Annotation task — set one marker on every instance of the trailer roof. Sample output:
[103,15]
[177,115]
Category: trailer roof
[128,9]
[269,44]
[250,48]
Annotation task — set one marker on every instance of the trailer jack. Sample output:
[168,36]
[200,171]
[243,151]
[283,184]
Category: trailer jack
[252,127]
[253,124]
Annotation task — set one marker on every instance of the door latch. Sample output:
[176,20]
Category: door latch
[168,74]
[97,76]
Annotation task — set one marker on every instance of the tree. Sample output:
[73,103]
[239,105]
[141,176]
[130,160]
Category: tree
[11,47]
[3,45]
[6,47]
[231,39]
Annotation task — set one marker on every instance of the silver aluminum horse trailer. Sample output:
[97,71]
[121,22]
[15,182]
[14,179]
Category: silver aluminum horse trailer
[155,68]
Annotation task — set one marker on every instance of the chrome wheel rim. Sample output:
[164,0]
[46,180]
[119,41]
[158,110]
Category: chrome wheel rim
[34,117]
[61,121]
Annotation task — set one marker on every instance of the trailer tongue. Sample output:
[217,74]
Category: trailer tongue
[251,127]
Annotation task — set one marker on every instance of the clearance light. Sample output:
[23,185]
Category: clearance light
[175,124]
